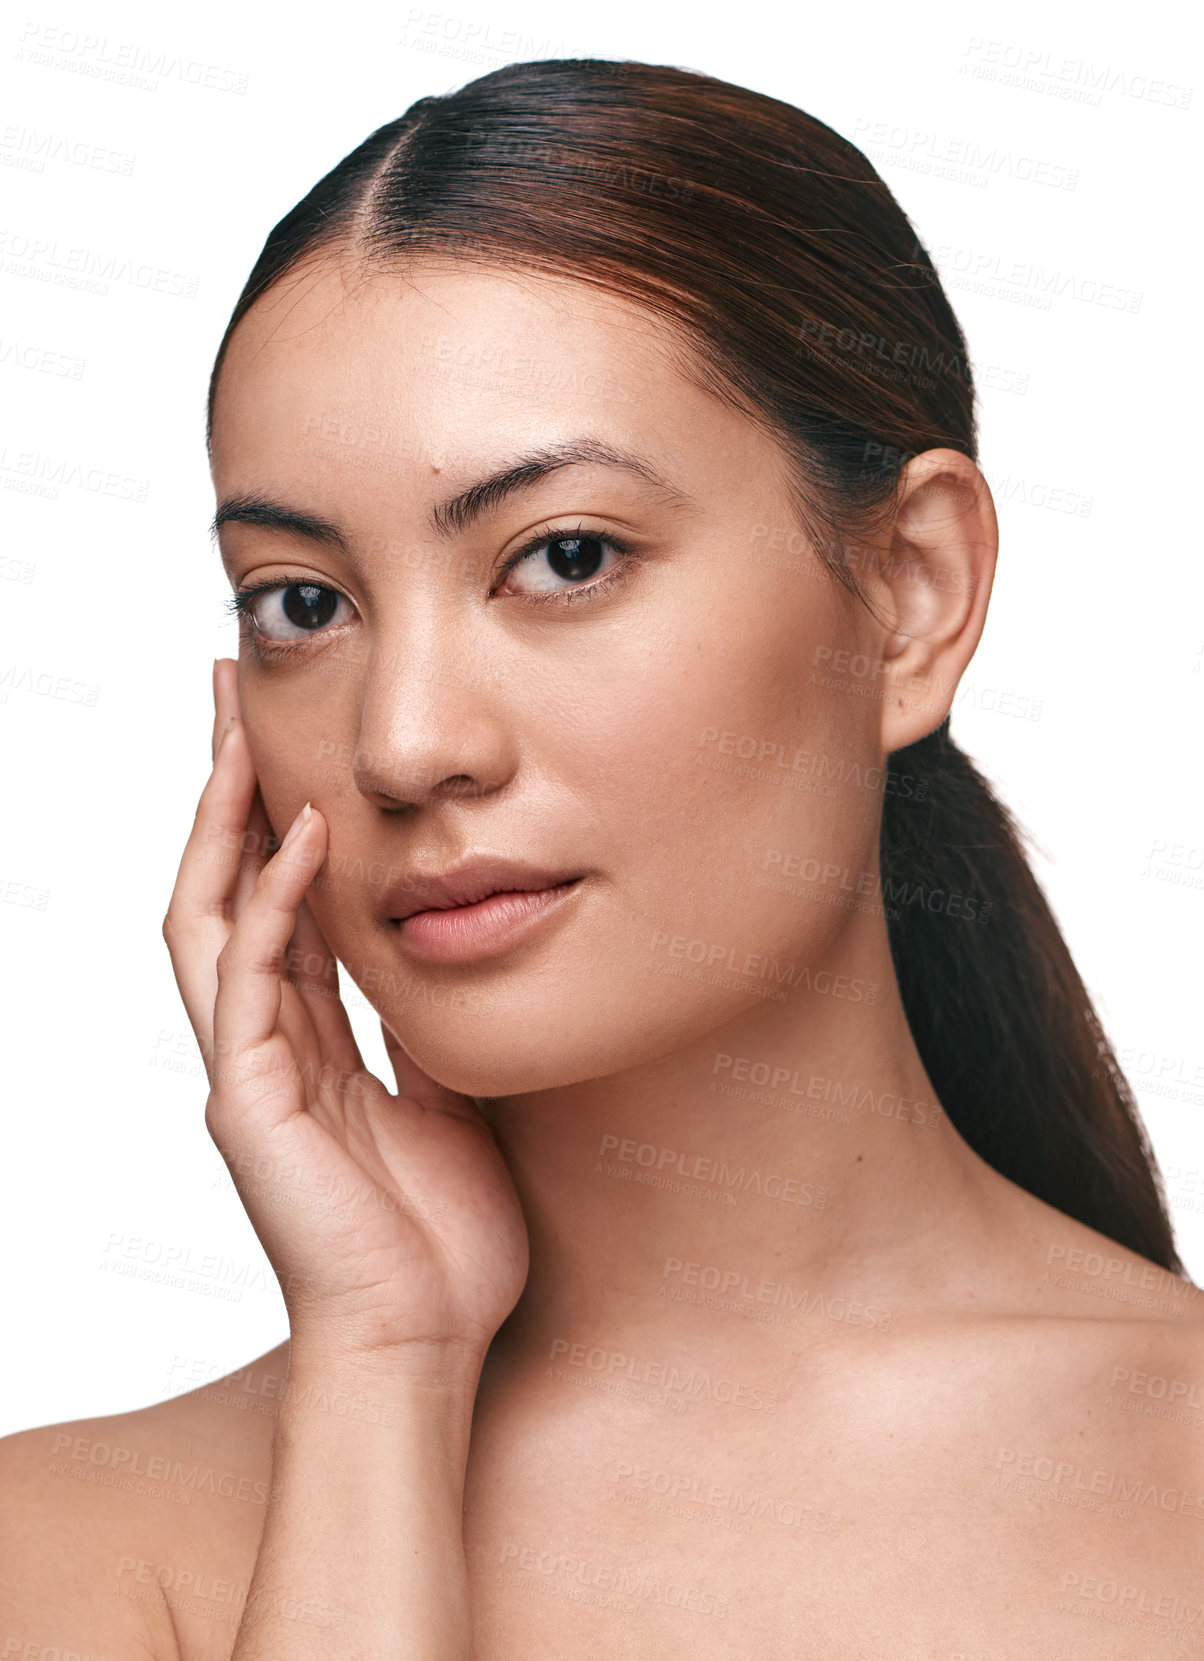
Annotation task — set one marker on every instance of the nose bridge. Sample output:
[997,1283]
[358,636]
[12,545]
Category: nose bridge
[427,714]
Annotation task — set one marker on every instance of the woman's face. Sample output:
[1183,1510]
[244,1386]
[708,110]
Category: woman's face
[654,714]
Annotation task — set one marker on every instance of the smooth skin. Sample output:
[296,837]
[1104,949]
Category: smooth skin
[521,1192]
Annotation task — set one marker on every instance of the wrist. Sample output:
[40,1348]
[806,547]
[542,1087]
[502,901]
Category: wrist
[334,1360]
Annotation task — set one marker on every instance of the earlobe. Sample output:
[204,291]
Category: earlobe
[935,582]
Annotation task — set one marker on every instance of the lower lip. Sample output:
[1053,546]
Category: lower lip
[463,932]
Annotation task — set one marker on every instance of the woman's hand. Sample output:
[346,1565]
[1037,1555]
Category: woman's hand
[391,1220]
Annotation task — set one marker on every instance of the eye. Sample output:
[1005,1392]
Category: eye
[282,612]
[561,563]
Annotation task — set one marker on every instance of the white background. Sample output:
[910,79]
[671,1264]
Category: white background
[1096,618]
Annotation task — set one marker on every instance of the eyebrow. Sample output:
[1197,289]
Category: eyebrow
[260,510]
[458,512]
[467,506]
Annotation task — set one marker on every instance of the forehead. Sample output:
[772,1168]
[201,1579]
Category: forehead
[444,364]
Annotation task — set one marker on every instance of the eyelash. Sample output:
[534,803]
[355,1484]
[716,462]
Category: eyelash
[241,603]
[566,596]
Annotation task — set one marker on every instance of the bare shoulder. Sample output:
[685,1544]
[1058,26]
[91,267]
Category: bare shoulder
[1066,1268]
[1101,1357]
[133,1534]
[65,1541]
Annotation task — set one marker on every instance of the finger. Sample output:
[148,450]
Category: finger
[251,965]
[259,843]
[199,914]
[225,696]
[314,972]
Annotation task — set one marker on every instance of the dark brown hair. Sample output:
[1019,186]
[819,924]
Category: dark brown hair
[779,257]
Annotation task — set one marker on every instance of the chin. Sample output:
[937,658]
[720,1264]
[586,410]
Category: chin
[550,1050]
[544,1065]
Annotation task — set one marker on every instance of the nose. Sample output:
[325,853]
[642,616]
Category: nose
[431,723]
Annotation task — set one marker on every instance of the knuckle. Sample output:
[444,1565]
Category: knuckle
[217,1120]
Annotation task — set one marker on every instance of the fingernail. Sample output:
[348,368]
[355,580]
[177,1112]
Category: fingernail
[297,825]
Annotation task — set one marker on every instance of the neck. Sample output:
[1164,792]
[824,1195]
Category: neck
[788,1165]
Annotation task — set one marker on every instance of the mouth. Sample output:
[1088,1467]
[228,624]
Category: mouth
[494,917]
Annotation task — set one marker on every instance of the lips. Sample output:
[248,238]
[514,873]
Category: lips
[469,883]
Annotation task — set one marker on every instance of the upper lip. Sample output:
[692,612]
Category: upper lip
[468,883]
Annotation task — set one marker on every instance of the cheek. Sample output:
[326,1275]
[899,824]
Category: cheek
[284,783]
[290,774]
[301,743]
[714,762]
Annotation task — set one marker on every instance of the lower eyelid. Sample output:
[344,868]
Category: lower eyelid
[600,585]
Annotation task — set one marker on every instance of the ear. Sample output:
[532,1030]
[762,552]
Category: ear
[930,588]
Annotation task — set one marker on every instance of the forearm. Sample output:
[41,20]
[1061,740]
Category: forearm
[362,1549]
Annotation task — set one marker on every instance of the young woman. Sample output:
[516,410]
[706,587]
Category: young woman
[760,1252]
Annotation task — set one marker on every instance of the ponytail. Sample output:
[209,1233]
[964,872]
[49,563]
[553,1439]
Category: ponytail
[1004,1026]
